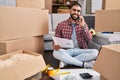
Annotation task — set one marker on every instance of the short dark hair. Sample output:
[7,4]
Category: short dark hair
[76,4]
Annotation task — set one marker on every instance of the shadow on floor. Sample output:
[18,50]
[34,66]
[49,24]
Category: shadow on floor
[49,59]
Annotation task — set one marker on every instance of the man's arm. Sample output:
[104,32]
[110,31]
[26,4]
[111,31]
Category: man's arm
[57,34]
[85,29]
[58,31]
[86,33]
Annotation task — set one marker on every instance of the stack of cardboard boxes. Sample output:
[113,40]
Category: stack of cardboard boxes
[107,20]
[21,30]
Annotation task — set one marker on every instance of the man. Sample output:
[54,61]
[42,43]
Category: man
[77,30]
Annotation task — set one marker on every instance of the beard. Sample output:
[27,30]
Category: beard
[74,17]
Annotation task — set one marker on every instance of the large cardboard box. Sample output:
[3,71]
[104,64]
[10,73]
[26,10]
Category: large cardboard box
[111,4]
[35,44]
[107,21]
[31,3]
[18,22]
[108,62]
[24,68]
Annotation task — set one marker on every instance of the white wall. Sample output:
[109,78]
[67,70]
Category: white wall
[96,5]
[83,4]
[7,2]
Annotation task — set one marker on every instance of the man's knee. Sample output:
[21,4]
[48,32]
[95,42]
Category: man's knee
[95,51]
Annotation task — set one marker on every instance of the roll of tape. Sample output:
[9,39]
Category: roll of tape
[52,72]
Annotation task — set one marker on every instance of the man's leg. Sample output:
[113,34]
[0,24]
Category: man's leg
[66,57]
[85,54]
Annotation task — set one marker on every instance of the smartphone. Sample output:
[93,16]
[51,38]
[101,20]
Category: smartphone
[86,75]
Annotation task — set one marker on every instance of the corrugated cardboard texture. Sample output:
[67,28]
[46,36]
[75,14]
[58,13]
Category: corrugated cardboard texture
[108,62]
[18,22]
[102,78]
[23,69]
[107,21]
[111,4]
[35,44]
[31,3]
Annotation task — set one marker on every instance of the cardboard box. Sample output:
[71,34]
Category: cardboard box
[35,44]
[24,68]
[18,22]
[111,4]
[31,3]
[107,21]
[108,62]
[37,76]
[102,78]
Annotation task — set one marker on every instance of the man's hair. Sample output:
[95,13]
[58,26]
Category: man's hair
[76,4]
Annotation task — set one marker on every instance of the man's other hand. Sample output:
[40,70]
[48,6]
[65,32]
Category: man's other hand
[56,47]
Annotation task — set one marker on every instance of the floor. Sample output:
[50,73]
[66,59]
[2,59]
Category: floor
[49,59]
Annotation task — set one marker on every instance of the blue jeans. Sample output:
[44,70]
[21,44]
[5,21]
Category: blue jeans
[75,56]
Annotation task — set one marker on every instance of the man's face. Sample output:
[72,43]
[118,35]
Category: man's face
[75,12]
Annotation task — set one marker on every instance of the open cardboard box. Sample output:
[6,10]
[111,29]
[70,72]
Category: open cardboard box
[107,21]
[23,69]
[108,62]
[19,22]
[35,44]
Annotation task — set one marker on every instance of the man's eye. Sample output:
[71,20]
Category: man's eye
[74,9]
[78,10]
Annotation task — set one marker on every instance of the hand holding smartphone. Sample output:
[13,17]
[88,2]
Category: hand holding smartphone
[82,21]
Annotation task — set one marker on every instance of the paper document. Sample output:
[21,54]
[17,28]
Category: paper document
[64,43]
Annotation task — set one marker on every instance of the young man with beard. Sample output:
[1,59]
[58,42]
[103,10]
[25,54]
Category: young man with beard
[77,30]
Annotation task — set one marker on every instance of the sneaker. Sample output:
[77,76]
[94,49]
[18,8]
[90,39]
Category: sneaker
[61,64]
[89,64]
